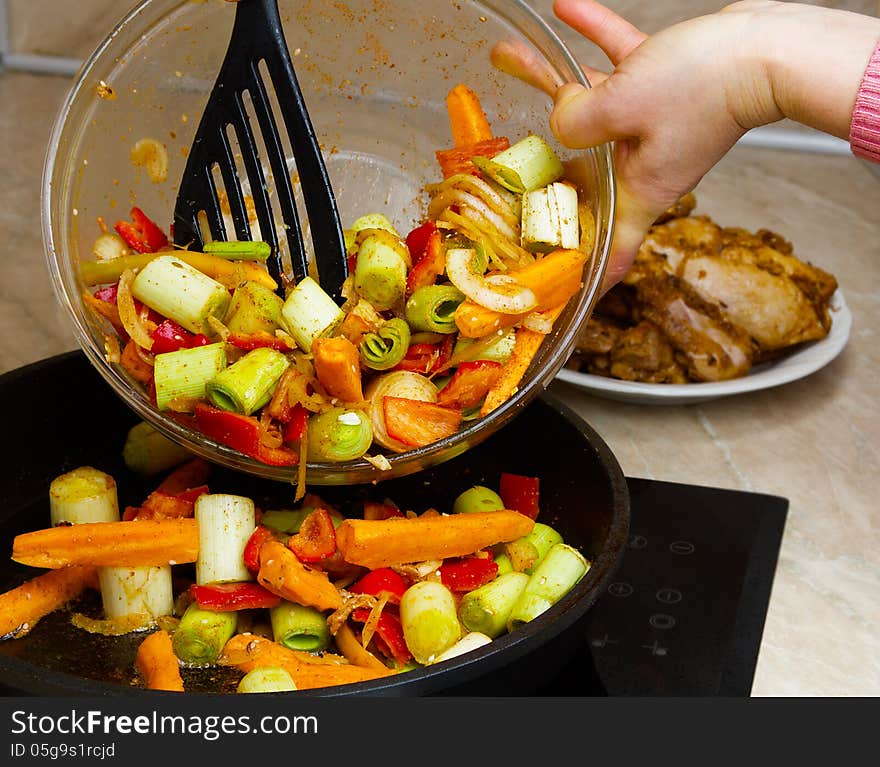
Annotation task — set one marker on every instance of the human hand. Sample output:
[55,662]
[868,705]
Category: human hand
[677,102]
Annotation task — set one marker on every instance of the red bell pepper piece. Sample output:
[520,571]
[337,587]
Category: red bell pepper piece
[316,538]
[520,493]
[379,581]
[240,432]
[390,631]
[251,554]
[417,240]
[169,336]
[108,293]
[418,423]
[373,510]
[225,597]
[296,422]
[420,358]
[250,341]
[467,573]
[141,234]
[469,384]
[429,266]
[458,159]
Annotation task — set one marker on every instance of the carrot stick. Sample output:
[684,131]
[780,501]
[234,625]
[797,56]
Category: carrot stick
[150,542]
[466,116]
[525,347]
[249,651]
[553,279]
[384,542]
[356,653]
[283,574]
[337,365]
[23,606]
[157,663]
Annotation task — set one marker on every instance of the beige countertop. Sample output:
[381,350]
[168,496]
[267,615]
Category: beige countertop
[813,441]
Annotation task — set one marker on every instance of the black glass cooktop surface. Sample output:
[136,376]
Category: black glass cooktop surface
[685,612]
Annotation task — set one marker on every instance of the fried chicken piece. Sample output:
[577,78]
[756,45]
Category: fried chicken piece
[709,346]
[643,353]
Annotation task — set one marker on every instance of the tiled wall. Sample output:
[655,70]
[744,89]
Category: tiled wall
[73,29]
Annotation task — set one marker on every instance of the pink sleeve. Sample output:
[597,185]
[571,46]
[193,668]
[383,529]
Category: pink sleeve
[864,135]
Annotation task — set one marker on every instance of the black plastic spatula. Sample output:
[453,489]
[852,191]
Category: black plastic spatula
[258,38]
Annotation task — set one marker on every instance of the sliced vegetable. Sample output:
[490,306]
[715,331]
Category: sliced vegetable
[467,573]
[388,635]
[283,574]
[383,543]
[527,165]
[467,119]
[142,234]
[142,542]
[310,313]
[469,385]
[520,493]
[397,383]
[180,292]
[24,605]
[552,579]
[254,308]
[337,365]
[170,336]
[266,680]
[550,218]
[181,378]
[431,308]
[460,159]
[487,608]
[477,498]
[248,651]
[242,433]
[251,554]
[248,383]
[128,590]
[416,423]
[339,434]
[429,620]
[501,293]
[300,628]
[473,640]
[157,664]
[386,347]
[524,350]
[380,274]
[201,635]
[83,494]
[249,250]
[316,538]
[226,522]
[430,263]
[227,597]
[383,581]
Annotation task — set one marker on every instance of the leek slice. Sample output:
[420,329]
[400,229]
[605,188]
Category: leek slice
[339,435]
[527,165]
[136,591]
[310,313]
[180,292]
[248,384]
[386,347]
[431,308]
[550,218]
[181,377]
[84,494]
[380,273]
[226,522]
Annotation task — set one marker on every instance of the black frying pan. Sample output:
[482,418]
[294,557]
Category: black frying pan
[59,414]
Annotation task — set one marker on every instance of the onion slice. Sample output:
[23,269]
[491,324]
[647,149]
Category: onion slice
[500,293]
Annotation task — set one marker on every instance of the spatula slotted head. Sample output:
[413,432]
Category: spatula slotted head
[226,147]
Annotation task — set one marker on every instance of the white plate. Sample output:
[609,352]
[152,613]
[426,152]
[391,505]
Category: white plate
[807,360]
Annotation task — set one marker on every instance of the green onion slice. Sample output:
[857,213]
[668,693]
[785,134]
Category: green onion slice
[386,347]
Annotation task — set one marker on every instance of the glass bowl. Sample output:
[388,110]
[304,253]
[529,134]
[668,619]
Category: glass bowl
[375,78]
